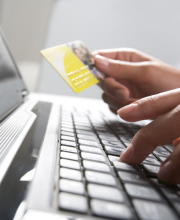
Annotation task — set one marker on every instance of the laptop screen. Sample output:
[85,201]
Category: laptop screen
[11,83]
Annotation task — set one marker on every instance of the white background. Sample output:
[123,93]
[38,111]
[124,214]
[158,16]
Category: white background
[150,26]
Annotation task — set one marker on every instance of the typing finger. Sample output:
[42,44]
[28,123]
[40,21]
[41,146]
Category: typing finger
[161,131]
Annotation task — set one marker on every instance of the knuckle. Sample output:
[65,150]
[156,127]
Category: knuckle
[133,54]
[149,69]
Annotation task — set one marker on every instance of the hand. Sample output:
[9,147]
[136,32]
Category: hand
[165,107]
[133,75]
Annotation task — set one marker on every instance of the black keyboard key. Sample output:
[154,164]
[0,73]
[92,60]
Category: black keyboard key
[162,158]
[100,178]
[66,126]
[87,137]
[152,156]
[84,128]
[132,178]
[101,167]
[67,123]
[142,192]
[114,150]
[126,140]
[90,143]
[151,161]
[69,149]
[70,164]
[67,129]
[157,182]
[105,193]
[98,124]
[90,149]
[73,202]
[109,133]
[169,147]
[112,143]
[124,167]
[67,138]
[109,138]
[97,128]
[85,123]
[151,170]
[71,186]
[161,148]
[67,133]
[110,210]
[70,156]
[89,133]
[93,157]
[153,210]
[68,143]
[171,193]
[113,158]
[161,153]
[70,174]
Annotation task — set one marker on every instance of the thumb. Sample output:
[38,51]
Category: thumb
[121,69]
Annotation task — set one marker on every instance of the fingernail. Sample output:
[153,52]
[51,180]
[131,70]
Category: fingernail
[166,172]
[120,94]
[126,155]
[127,109]
[101,60]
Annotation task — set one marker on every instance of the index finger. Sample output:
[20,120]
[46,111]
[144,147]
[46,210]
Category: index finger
[151,106]
[124,54]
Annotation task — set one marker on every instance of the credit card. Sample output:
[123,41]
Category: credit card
[74,62]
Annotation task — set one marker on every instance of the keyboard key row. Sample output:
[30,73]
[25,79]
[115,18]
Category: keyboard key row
[100,182]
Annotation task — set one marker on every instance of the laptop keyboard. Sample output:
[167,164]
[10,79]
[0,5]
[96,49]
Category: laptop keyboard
[94,182]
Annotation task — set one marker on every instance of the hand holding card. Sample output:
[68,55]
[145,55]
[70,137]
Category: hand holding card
[75,64]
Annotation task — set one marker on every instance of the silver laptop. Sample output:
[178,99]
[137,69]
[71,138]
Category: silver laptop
[59,159]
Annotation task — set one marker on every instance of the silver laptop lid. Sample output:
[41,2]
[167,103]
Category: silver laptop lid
[12,87]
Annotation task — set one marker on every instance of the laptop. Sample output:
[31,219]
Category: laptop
[59,159]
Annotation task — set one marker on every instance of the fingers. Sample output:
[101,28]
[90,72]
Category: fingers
[125,54]
[117,69]
[151,107]
[113,110]
[170,170]
[114,89]
[114,103]
[161,131]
